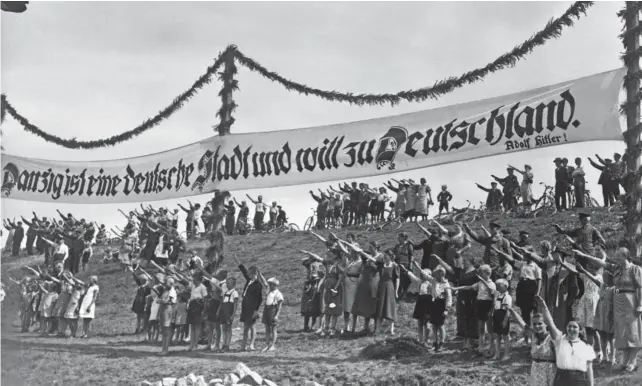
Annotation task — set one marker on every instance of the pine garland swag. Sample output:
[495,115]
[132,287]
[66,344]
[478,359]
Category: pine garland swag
[148,124]
[552,30]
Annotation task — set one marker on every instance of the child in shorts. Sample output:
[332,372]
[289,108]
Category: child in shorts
[483,304]
[501,321]
[271,313]
[229,305]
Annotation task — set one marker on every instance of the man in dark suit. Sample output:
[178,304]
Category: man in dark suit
[252,297]
[561,184]
[17,239]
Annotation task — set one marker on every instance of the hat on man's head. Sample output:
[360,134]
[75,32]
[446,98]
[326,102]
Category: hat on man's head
[558,159]
[273,280]
[617,155]
[584,215]
[526,233]
[608,161]
[493,183]
[506,231]
[494,224]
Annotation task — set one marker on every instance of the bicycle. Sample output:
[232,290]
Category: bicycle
[545,205]
[285,227]
[392,224]
[467,215]
[311,221]
[589,201]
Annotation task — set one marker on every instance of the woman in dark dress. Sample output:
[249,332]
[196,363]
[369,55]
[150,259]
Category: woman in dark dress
[138,306]
[365,303]
[312,295]
[465,306]
[387,292]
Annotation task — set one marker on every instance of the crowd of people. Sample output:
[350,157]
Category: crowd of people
[574,304]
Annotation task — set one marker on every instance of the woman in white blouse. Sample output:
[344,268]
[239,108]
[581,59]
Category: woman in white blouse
[573,357]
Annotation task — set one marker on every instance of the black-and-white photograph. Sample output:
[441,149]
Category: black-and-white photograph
[321,193]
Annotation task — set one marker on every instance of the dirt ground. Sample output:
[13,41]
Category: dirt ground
[115,356]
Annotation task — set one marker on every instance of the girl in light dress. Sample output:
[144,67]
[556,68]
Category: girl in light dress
[542,350]
[152,325]
[49,300]
[88,306]
[573,357]
[71,314]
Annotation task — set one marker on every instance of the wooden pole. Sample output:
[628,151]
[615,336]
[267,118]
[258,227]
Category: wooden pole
[229,84]
[633,142]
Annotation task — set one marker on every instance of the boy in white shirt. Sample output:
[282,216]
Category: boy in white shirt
[501,322]
[271,312]
[484,304]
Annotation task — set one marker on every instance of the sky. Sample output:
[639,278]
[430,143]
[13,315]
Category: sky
[94,69]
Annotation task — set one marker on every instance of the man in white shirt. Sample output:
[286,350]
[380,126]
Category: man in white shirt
[579,183]
[259,211]
[61,252]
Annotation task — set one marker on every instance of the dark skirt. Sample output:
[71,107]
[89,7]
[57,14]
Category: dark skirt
[570,378]
[312,299]
[195,311]
[483,309]
[437,310]
[333,301]
[268,315]
[466,320]
[138,306]
[525,294]
[499,327]
[423,308]
[212,310]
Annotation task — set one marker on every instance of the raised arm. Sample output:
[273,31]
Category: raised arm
[592,259]
[517,170]
[448,268]
[312,255]
[251,199]
[473,235]
[483,188]
[317,199]
[62,215]
[505,255]
[441,227]
[594,278]
[321,238]
[598,167]
[548,318]
[600,160]
[187,210]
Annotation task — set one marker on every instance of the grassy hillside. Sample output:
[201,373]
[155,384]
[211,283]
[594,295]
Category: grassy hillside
[114,353]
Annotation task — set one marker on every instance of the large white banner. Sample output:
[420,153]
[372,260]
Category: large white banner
[584,109]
